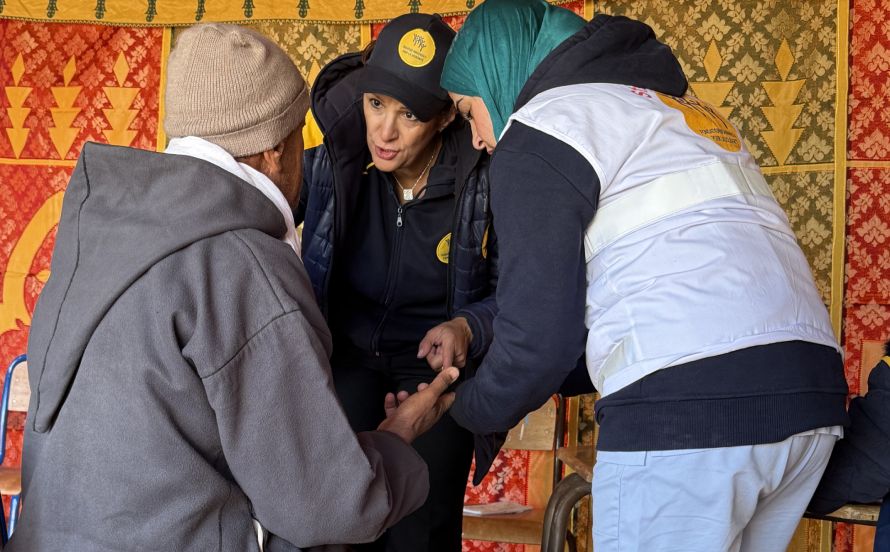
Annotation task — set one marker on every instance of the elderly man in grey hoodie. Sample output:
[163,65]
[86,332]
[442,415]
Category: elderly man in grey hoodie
[182,398]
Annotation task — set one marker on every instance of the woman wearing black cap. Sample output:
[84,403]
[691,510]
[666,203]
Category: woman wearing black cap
[398,244]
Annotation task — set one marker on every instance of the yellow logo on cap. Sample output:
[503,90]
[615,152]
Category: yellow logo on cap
[705,121]
[444,248]
[417,48]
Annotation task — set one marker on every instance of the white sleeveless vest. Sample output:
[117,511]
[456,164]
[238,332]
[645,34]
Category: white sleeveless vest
[688,256]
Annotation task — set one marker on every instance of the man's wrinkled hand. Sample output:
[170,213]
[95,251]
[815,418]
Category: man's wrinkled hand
[446,344]
[409,416]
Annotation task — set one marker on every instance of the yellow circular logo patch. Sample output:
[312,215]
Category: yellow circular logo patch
[417,48]
[444,248]
[705,121]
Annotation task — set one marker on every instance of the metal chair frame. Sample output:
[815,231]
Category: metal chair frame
[15,500]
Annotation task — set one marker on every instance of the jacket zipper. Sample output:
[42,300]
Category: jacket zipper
[449,273]
[391,276]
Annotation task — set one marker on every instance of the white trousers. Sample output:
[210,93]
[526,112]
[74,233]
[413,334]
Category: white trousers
[733,499]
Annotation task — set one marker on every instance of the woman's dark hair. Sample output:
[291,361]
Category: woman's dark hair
[366,51]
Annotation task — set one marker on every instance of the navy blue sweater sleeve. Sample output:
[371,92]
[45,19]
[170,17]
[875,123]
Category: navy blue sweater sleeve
[480,315]
[544,195]
[859,469]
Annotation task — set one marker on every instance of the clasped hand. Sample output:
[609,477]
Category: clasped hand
[446,344]
[408,416]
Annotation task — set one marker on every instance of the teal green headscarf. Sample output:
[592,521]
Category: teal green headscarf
[499,47]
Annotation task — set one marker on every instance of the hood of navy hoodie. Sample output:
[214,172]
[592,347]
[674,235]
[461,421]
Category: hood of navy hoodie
[335,93]
[609,49]
[124,210]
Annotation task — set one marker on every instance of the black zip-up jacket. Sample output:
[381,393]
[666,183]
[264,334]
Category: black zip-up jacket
[331,173]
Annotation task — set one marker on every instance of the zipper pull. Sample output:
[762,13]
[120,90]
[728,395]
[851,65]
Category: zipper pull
[399,217]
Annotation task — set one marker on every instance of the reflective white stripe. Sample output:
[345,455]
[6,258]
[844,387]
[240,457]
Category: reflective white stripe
[667,195]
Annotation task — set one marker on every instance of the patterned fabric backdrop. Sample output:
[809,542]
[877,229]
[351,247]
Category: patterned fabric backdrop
[867,270]
[807,83]
[177,12]
[61,86]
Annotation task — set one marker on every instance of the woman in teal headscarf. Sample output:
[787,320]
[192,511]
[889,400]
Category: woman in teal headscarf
[500,46]
[706,331]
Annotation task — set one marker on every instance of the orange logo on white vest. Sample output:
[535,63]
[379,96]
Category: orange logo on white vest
[705,121]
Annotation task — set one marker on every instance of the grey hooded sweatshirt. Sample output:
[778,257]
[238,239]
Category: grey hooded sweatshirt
[179,377]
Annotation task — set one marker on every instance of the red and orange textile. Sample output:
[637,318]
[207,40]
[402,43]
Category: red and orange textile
[60,85]
[807,83]
[866,321]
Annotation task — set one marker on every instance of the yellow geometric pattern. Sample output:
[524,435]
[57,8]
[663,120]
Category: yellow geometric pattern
[12,302]
[63,135]
[120,116]
[783,137]
[712,92]
[18,134]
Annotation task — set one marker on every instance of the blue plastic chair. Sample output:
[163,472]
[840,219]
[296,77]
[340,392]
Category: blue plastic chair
[4,412]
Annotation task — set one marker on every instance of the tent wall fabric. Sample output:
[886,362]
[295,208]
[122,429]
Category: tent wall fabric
[179,13]
[807,84]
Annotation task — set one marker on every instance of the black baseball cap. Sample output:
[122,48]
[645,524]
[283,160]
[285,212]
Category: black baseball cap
[406,63]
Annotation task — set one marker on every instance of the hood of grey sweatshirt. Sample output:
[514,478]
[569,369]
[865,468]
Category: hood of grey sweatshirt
[124,211]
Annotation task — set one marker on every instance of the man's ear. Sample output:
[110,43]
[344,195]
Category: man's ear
[272,157]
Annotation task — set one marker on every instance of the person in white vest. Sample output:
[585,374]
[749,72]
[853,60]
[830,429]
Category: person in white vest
[632,218]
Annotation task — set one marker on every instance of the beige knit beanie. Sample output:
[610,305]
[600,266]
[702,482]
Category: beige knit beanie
[233,87]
